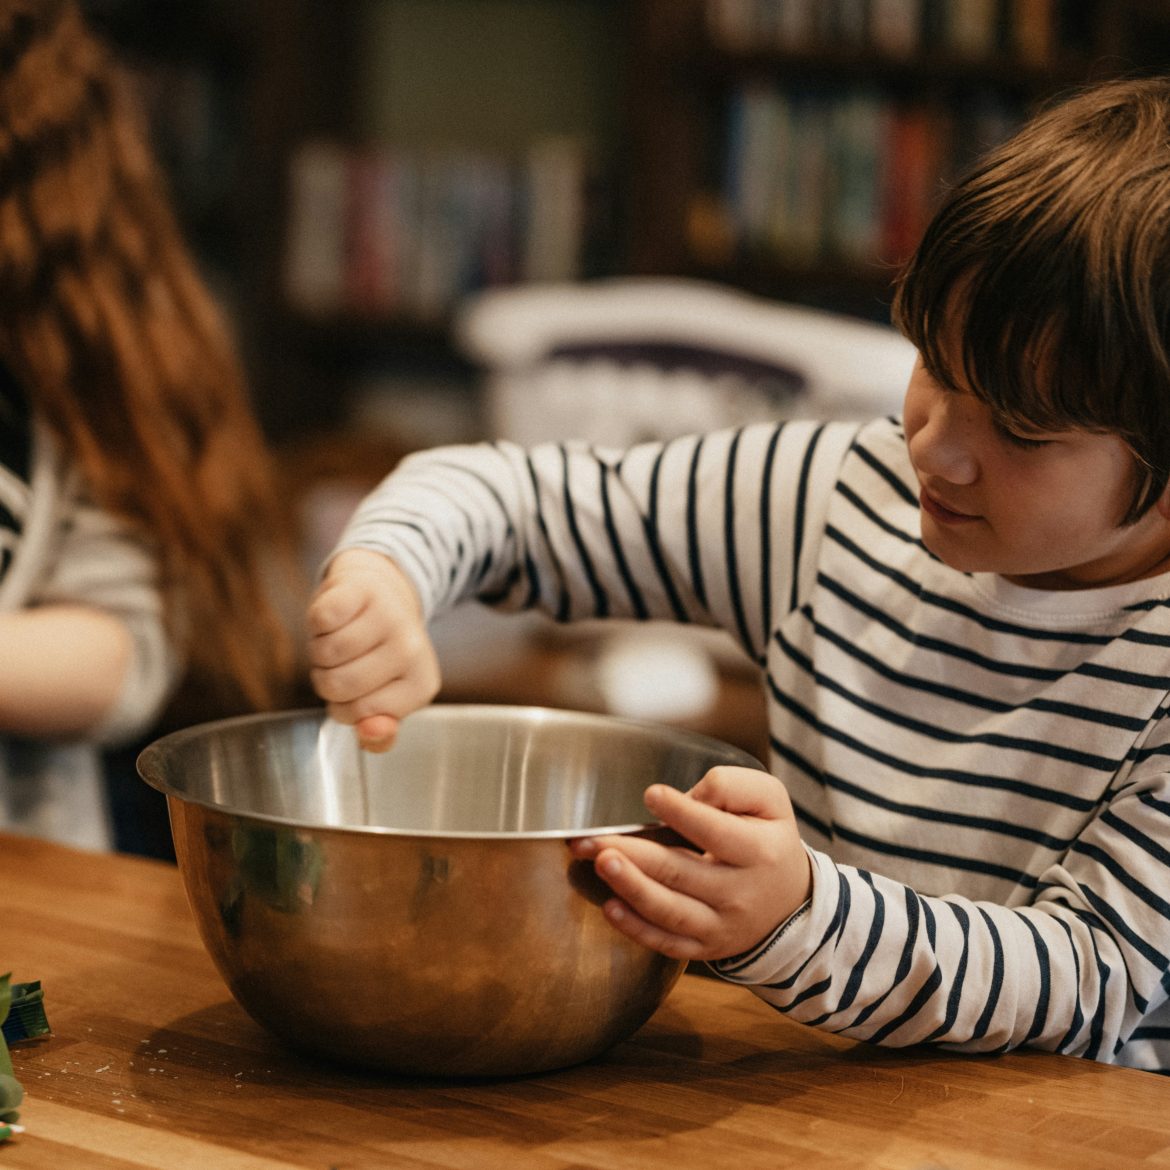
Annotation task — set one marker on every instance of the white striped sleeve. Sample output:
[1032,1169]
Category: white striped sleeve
[1077,970]
[702,529]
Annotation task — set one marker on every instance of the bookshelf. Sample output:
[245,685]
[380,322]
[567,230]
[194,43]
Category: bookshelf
[348,171]
[476,146]
[229,88]
[797,148]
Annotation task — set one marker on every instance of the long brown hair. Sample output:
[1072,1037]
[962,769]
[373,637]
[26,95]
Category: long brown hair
[106,322]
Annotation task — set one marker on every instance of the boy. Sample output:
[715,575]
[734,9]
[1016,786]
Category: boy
[962,619]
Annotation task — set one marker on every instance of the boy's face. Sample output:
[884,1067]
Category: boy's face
[1042,510]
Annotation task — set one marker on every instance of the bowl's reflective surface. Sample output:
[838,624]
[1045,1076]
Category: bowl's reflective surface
[418,911]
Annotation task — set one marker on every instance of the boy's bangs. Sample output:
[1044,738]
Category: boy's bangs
[1006,331]
[1014,332]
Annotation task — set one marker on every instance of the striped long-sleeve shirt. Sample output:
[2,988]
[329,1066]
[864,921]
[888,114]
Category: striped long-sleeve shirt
[981,771]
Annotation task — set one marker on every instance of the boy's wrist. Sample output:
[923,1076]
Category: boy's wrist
[372,562]
[349,559]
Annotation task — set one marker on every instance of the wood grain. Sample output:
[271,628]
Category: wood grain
[151,1064]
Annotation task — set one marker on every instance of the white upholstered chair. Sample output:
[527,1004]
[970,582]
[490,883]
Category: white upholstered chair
[625,358]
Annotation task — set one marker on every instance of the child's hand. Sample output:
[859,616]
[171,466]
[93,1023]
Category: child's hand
[750,874]
[370,656]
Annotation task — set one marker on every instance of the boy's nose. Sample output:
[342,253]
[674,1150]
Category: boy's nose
[943,447]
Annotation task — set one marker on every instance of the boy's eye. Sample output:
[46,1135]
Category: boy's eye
[1018,440]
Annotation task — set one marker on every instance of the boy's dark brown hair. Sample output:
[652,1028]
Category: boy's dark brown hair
[1043,281]
[120,348]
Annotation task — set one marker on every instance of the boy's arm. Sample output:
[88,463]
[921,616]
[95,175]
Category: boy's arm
[703,529]
[1076,970]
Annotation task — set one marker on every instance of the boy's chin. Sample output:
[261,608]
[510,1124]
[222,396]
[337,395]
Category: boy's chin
[952,554]
[964,560]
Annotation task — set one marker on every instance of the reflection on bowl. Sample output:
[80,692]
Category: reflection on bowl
[418,911]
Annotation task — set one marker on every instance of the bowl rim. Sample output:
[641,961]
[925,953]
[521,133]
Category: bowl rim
[737,756]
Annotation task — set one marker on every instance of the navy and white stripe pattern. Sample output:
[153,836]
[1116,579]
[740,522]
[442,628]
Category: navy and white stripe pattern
[981,771]
[15,459]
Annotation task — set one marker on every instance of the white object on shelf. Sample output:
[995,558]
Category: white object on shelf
[562,360]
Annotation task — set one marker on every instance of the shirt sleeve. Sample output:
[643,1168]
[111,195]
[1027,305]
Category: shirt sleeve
[1077,970]
[703,529]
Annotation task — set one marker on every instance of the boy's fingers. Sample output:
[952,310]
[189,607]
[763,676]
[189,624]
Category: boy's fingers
[377,733]
[395,700]
[343,646]
[717,814]
[333,606]
[678,869]
[743,791]
[712,830]
[334,686]
[349,681]
[666,913]
[634,926]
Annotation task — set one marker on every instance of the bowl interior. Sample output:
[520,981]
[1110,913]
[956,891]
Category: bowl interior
[455,770]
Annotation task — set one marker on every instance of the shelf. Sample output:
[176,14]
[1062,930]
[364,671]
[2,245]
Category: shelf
[940,72]
[290,72]
[214,31]
[356,339]
[858,290]
[756,138]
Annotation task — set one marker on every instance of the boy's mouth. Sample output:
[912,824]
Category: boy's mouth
[940,512]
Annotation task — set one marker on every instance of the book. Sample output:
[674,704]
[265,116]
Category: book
[732,24]
[315,248]
[972,28]
[762,149]
[1033,31]
[895,27]
[858,136]
[372,230]
[555,194]
[912,178]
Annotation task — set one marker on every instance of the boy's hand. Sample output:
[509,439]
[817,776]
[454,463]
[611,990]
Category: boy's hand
[370,656]
[751,871]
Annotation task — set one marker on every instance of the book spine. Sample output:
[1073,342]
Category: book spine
[381,232]
[315,258]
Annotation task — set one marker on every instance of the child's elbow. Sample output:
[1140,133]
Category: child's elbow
[149,676]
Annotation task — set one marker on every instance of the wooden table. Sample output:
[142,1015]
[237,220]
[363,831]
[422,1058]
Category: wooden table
[152,1064]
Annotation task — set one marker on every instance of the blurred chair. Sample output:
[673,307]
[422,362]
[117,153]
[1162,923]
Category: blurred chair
[617,361]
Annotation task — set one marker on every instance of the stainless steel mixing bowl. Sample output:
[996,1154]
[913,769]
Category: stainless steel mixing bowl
[418,911]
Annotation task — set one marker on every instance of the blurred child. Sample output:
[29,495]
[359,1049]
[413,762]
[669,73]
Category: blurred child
[136,511]
[961,617]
